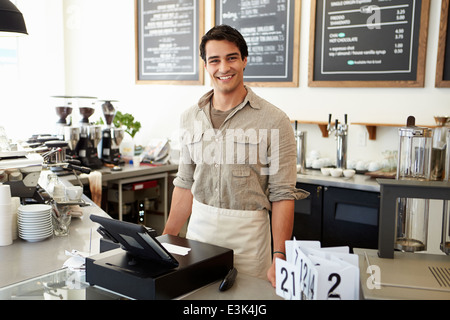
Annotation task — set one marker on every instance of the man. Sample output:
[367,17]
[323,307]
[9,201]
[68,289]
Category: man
[237,163]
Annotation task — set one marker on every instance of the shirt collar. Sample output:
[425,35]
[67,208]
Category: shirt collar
[249,99]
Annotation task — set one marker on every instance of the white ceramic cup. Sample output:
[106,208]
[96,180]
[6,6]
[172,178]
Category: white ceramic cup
[74,193]
[348,173]
[58,193]
[336,172]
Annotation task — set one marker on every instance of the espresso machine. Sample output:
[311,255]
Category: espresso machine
[341,131]
[89,137]
[111,137]
[71,137]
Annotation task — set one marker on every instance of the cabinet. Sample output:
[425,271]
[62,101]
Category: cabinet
[142,199]
[337,216]
[308,214]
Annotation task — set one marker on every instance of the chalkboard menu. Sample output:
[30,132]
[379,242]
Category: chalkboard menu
[374,43]
[271,29]
[443,60]
[167,40]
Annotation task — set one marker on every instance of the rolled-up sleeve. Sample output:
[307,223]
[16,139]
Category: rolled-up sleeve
[282,182]
[186,167]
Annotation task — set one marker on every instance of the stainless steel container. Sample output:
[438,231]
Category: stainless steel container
[414,157]
[300,136]
[439,148]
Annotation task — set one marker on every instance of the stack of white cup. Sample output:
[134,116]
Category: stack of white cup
[6,218]
[15,204]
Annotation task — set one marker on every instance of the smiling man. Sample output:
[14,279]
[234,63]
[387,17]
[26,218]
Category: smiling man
[229,141]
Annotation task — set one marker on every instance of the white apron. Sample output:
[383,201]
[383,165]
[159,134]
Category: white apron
[246,232]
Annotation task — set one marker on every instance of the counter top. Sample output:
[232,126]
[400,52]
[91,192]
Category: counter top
[408,276]
[26,262]
[245,288]
[23,260]
[358,181]
[127,171]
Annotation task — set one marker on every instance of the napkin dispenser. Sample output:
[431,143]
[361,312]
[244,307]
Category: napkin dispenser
[119,271]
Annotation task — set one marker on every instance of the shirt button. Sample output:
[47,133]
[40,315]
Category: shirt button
[216,165]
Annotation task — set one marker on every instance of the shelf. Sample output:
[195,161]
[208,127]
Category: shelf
[371,127]
[322,126]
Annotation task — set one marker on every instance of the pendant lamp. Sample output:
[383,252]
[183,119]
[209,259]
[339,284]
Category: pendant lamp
[11,20]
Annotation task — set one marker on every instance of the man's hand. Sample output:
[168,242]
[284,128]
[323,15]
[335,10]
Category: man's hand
[271,272]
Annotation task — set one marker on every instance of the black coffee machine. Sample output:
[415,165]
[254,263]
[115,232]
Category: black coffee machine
[111,137]
[90,136]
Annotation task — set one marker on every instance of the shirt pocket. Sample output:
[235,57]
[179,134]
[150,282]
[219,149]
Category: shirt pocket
[240,176]
[194,145]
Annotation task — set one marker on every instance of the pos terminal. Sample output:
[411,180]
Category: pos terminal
[143,267]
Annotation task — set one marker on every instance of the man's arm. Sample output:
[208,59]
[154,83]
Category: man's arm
[282,226]
[180,210]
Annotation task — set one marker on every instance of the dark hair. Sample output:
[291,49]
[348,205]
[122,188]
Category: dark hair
[224,32]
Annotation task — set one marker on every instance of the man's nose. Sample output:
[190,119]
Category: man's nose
[224,67]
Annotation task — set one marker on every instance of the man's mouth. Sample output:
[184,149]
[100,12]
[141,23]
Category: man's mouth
[225,77]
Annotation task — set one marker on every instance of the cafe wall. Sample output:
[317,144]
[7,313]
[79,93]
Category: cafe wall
[100,61]
[86,47]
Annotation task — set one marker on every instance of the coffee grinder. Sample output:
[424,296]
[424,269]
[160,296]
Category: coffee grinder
[90,136]
[111,137]
[71,136]
[63,110]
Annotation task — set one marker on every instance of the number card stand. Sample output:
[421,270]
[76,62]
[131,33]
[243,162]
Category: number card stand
[314,273]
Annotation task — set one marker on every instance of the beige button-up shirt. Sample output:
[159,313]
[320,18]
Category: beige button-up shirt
[246,164]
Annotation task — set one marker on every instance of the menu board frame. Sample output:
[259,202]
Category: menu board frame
[419,80]
[443,56]
[293,53]
[171,78]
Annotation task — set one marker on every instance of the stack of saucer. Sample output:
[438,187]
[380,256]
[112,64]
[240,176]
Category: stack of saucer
[5,215]
[34,222]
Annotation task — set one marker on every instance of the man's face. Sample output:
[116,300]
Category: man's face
[224,65]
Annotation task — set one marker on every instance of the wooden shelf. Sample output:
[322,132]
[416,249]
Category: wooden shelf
[322,126]
[371,127]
